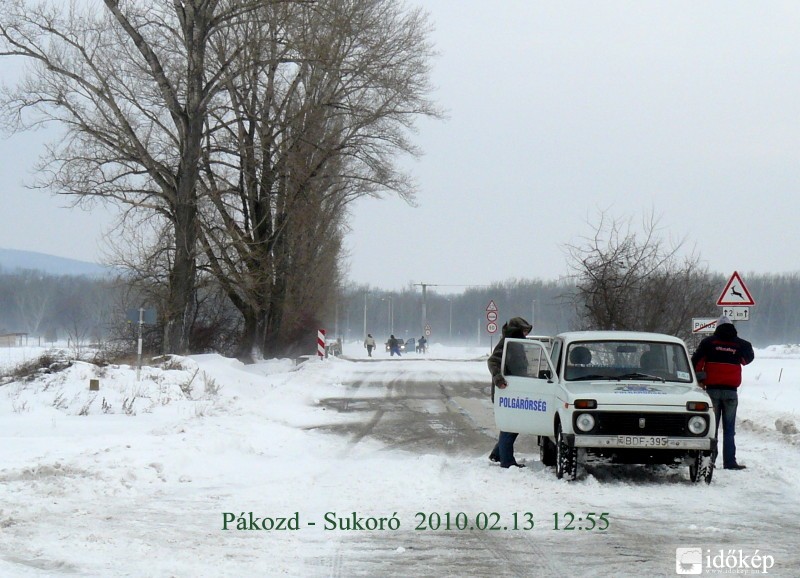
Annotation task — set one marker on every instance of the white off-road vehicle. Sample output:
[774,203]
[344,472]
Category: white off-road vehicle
[608,396]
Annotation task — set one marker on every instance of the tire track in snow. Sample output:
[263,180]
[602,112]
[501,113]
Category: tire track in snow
[369,427]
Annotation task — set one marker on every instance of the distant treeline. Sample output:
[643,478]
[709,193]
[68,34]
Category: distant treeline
[56,307]
[550,305]
[50,308]
[776,317]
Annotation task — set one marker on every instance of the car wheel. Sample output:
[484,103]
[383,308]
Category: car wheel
[547,451]
[701,467]
[566,457]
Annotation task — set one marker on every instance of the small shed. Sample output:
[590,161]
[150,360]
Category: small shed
[13,339]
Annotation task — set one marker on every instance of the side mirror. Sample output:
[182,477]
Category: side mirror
[701,376]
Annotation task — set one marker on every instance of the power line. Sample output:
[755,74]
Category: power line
[425,298]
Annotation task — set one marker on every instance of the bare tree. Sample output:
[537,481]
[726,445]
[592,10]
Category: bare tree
[633,280]
[130,85]
[33,300]
[326,95]
[286,106]
[81,309]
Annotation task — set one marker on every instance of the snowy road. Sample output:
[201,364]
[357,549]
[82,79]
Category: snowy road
[404,413]
[654,510]
[90,491]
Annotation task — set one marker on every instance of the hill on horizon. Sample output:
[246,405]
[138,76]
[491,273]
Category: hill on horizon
[12,260]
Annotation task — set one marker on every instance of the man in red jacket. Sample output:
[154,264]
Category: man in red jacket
[721,356]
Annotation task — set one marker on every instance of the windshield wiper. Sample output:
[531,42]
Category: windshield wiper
[637,375]
[588,377]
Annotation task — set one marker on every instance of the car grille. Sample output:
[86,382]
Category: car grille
[628,423]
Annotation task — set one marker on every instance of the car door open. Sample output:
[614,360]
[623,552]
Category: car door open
[527,404]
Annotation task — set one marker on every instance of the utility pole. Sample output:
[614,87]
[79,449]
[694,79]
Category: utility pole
[425,300]
[391,313]
[424,307]
[365,314]
[425,303]
[451,320]
[336,319]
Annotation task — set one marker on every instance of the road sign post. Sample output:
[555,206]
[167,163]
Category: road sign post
[491,316]
[141,316]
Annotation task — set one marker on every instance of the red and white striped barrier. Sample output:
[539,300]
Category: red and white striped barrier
[321,343]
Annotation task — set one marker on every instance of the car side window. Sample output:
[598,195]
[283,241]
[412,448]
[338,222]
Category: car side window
[526,359]
[555,354]
[516,360]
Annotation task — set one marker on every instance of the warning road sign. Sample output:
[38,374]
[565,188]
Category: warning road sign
[735,293]
[491,306]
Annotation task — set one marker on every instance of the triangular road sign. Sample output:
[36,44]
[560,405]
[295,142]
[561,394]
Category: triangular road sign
[491,306]
[735,293]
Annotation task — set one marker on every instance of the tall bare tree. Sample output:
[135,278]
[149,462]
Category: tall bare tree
[129,83]
[326,95]
[628,279]
[246,125]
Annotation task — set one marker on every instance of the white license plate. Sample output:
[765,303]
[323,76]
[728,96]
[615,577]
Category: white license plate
[643,441]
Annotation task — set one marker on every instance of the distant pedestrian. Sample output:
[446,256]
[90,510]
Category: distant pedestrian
[394,346]
[422,344]
[515,328]
[721,356]
[369,343]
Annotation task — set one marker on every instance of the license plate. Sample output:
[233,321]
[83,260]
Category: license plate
[643,441]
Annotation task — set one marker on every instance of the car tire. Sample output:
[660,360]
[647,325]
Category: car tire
[547,451]
[701,467]
[566,457]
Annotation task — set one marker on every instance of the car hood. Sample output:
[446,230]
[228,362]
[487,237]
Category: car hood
[634,392]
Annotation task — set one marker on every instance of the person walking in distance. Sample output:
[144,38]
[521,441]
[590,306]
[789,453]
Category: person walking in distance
[721,356]
[369,343]
[394,346]
[514,328]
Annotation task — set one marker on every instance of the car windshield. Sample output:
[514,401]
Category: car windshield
[627,360]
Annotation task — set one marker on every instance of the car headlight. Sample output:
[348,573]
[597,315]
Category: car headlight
[585,422]
[697,424]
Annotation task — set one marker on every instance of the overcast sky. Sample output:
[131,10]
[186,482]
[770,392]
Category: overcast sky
[557,111]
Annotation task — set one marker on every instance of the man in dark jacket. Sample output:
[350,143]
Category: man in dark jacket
[515,328]
[721,356]
[394,346]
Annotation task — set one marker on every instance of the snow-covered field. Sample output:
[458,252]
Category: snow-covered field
[141,478]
